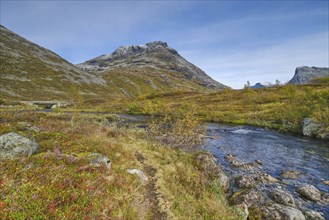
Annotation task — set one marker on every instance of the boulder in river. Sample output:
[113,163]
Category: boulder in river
[282,197]
[277,211]
[290,174]
[309,192]
[313,215]
[13,145]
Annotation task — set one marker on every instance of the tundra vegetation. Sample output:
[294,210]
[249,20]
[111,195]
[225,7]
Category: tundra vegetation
[60,183]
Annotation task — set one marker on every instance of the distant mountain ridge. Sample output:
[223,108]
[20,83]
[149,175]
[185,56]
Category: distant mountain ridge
[155,54]
[305,74]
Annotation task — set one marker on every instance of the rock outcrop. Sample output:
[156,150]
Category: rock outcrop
[13,145]
[305,74]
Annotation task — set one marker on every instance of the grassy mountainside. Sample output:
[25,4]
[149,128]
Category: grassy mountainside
[31,72]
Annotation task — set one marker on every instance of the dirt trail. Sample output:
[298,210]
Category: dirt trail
[151,197]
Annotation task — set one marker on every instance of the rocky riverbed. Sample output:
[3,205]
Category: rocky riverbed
[273,175]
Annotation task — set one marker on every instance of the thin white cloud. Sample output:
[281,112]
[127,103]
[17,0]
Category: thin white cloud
[265,64]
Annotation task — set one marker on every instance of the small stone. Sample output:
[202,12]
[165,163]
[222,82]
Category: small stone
[138,173]
[98,160]
[326,182]
[309,192]
[313,215]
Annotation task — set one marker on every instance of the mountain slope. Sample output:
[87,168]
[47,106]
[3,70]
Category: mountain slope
[158,56]
[305,74]
[29,71]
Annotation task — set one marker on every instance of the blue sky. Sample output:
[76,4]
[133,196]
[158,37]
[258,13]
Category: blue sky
[232,41]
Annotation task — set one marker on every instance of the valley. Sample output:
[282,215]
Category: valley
[142,133]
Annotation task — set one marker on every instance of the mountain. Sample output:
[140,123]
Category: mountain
[29,71]
[305,74]
[161,60]
[258,86]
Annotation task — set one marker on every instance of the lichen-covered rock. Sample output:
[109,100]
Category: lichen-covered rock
[310,127]
[278,212]
[98,160]
[282,197]
[29,126]
[251,197]
[13,145]
[247,181]
[313,215]
[309,192]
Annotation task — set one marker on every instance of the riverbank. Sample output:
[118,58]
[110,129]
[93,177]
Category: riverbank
[282,108]
[59,181]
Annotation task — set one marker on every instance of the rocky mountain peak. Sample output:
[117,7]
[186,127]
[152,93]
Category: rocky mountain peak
[305,74]
[157,55]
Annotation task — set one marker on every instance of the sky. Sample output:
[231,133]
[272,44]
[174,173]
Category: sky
[232,41]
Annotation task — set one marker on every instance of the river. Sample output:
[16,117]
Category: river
[277,152]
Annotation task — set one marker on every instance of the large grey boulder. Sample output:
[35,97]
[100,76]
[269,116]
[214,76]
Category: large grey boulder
[313,215]
[305,74]
[282,197]
[281,212]
[310,127]
[13,145]
[309,192]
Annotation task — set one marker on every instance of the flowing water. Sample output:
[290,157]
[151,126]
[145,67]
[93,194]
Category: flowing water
[277,152]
